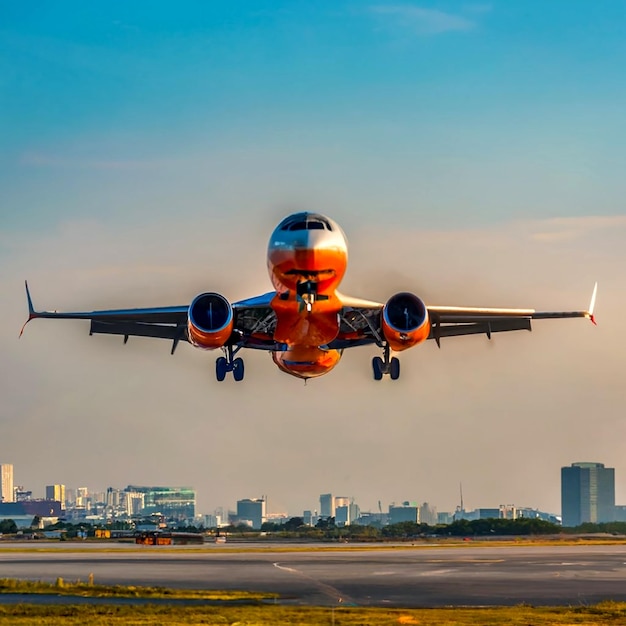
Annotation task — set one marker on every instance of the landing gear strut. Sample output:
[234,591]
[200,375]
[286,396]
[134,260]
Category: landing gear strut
[386,365]
[226,364]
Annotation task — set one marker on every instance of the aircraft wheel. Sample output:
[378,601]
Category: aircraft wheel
[377,366]
[221,367]
[238,369]
[394,369]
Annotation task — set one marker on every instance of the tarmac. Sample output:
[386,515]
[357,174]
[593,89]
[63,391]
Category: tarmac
[395,576]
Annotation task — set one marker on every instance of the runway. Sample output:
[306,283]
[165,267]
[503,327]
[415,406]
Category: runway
[391,576]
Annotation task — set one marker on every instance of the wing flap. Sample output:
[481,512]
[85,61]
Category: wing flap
[137,329]
[485,327]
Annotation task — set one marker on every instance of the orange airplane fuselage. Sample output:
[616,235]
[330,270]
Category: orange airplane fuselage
[306,258]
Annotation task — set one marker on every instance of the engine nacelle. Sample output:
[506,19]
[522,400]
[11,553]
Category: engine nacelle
[210,321]
[405,321]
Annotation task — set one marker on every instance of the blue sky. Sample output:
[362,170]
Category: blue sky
[443,110]
[472,152]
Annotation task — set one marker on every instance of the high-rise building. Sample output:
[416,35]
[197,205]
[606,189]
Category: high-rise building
[134,502]
[346,514]
[408,512]
[587,493]
[177,503]
[56,492]
[6,483]
[327,505]
[252,511]
[428,514]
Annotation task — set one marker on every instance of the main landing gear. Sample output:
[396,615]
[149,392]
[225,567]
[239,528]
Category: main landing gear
[386,365]
[226,364]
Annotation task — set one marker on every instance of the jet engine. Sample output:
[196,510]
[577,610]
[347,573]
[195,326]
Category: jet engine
[210,321]
[405,321]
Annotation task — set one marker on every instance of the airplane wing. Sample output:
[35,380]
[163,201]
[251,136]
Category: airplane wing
[361,320]
[254,321]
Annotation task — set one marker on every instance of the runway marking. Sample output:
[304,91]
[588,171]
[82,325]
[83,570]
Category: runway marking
[465,561]
[328,590]
[437,572]
[286,569]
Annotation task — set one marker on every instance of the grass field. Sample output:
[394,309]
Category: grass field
[22,615]
[91,590]
[253,609]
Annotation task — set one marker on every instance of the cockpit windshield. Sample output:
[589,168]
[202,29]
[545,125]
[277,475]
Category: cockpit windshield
[305,221]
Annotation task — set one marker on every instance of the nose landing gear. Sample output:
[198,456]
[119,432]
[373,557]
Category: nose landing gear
[226,364]
[386,365]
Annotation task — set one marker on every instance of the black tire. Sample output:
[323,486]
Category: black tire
[221,367]
[377,367]
[394,369]
[238,369]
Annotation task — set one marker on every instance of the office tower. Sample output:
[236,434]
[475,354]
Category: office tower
[134,502]
[587,493]
[327,505]
[428,514]
[252,511]
[172,502]
[6,483]
[56,492]
[408,512]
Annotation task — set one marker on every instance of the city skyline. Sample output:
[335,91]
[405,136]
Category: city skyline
[590,499]
[470,155]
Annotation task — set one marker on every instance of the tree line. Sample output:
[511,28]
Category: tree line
[326,529]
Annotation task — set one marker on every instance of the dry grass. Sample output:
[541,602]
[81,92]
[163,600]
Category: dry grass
[66,588]
[22,615]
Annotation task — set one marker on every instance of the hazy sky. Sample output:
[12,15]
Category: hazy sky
[473,153]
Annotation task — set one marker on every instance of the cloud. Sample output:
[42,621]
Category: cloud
[561,229]
[423,21]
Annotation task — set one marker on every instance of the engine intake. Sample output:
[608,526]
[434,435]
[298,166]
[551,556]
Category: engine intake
[405,321]
[210,321]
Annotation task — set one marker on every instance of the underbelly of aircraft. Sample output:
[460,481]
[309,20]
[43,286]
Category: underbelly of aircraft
[306,361]
[305,332]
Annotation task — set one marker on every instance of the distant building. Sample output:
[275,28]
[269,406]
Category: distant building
[488,513]
[407,512]
[6,483]
[327,505]
[177,503]
[133,502]
[56,492]
[508,511]
[252,511]
[528,513]
[21,493]
[428,514]
[210,521]
[372,519]
[587,493]
[41,508]
[445,518]
[114,498]
[346,514]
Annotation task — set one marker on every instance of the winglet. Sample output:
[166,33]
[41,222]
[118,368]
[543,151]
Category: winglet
[32,314]
[592,304]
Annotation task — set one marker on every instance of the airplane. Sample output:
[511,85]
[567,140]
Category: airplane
[305,323]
